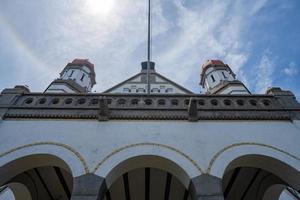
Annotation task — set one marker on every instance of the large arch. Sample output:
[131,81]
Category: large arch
[20,165]
[256,176]
[147,175]
[282,170]
[221,159]
[150,161]
[68,154]
[38,175]
[172,154]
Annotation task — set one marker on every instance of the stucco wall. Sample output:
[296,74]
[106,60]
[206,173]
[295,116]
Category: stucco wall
[200,147]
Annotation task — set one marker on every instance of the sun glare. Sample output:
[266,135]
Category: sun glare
[99,7]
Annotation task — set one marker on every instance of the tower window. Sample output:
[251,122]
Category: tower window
[212,78]
[224,75]
[82,77]
[71,73]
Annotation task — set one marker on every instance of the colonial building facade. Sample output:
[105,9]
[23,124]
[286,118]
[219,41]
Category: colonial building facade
[168,143]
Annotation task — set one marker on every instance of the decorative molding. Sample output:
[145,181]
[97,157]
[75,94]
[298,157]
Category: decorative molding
[147,144]
[76,153]
[218,154]
[204,107]
[208,170]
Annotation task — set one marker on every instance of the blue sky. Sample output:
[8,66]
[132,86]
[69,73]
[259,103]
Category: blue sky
[259,39]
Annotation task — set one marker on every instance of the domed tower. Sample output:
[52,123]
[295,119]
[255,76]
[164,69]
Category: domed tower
[77,77]
[218,78]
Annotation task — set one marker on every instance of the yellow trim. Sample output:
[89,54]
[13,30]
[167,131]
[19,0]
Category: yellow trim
[218,154]
[208,170]
[76,153]
[147,144]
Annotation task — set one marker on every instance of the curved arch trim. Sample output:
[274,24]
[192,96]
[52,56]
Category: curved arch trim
[69,148]
[218,154]
[147,144]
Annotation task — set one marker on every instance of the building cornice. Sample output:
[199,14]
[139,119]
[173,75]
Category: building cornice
[280,105]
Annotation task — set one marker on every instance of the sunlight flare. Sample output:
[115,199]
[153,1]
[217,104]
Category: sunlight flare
[99,7]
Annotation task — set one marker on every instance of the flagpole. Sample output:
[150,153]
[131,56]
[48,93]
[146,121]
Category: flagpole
[149,43]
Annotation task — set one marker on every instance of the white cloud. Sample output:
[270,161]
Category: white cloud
[210,32]
[116,42]
[264,72]
[258,6]
[291,70]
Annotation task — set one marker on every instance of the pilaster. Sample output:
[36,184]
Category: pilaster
[88,187]
[206,187]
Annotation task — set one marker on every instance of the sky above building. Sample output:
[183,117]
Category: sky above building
[258,39]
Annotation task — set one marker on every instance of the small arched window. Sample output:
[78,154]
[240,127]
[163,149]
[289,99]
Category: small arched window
[140,90]
[71,73]
[212,78]
[82,77]
[121,101]
[155,90]
[169,90]
[126,90]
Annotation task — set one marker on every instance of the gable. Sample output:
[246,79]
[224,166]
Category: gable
[137,84]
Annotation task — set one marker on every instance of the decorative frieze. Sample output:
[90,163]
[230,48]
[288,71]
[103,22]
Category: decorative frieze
[154,107]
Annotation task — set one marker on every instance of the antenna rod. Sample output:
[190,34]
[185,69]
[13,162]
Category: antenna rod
[149,43]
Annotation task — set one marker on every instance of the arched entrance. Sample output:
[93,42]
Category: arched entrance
[147,177]
[35,177]
[259,177]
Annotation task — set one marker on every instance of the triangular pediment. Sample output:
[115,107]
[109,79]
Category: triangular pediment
[137,84]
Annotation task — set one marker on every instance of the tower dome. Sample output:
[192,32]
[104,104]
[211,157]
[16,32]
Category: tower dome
[218,78]
[76,77]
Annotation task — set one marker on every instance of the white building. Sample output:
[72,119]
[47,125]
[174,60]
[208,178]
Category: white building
[124,144]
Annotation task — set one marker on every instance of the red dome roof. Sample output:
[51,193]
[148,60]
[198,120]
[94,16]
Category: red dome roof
[212,62]
[85,62]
